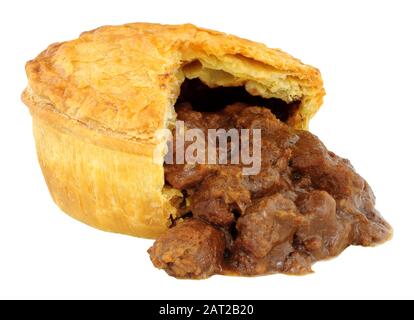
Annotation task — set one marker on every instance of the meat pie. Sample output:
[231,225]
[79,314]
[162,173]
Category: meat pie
[107,108]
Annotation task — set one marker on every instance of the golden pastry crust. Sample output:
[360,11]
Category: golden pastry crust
[98,101]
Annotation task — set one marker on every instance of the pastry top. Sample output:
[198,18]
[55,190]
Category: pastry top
[123,81]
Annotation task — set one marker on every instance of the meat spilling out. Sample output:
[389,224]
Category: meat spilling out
[305,204]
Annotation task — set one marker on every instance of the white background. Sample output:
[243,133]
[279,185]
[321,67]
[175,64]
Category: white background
[364,50]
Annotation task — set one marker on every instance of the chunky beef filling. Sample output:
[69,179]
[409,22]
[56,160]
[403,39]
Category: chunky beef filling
[305,205]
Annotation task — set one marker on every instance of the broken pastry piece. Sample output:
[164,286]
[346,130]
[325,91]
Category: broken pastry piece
[306,204]
[100,106]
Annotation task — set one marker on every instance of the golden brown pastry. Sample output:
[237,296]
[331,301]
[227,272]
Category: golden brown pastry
[98,101]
